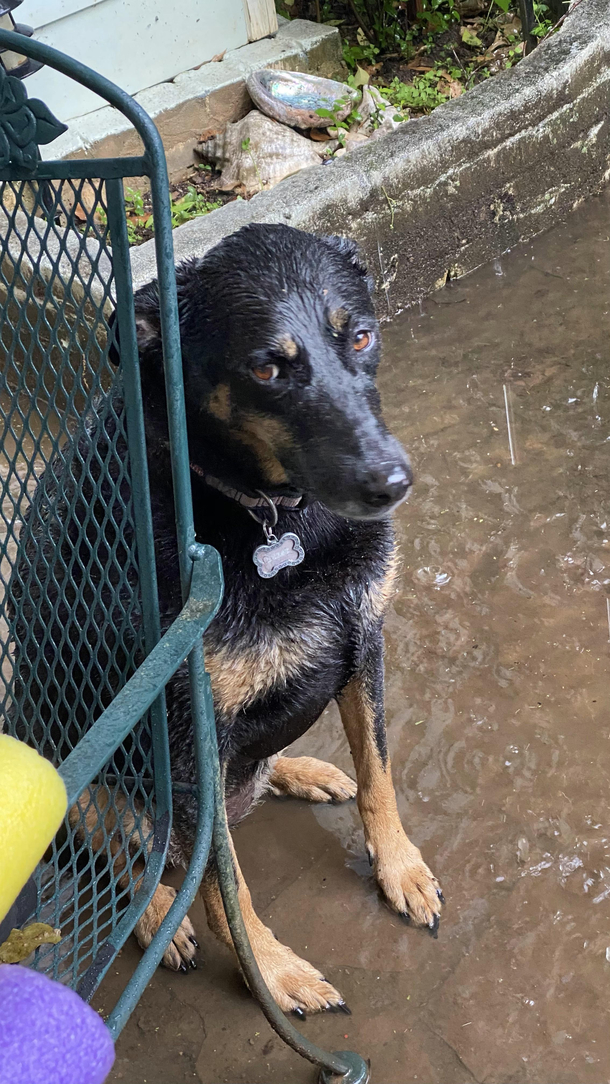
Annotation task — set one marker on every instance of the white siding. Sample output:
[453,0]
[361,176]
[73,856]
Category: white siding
[136,43]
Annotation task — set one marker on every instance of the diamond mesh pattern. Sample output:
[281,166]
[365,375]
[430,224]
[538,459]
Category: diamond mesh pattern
[70,614]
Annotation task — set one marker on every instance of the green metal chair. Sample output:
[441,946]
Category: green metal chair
[64,271]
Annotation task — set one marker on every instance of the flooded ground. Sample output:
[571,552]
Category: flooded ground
[499,728]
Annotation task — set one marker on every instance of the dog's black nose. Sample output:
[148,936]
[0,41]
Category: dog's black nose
[386,486]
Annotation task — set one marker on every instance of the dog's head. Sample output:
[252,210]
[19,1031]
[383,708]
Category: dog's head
[280,350]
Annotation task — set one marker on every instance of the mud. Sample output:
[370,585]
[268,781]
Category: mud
[497,694]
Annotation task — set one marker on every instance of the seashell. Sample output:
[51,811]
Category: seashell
[258,152]
[377,114]
[294,97]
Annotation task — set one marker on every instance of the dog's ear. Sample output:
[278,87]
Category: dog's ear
[350,250]
[148,321]
[148,325]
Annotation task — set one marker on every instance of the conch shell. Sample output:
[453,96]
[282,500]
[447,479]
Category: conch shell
[257,153]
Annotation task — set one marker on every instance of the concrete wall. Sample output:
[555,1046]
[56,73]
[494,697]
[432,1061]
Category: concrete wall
[202,100]
[136,43]
[447,192]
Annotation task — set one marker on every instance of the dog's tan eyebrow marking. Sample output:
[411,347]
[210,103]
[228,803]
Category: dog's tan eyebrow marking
[338,318]
[265,436]
[288,347]
[219,403]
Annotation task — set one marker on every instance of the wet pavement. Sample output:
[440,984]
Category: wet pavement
[497,700]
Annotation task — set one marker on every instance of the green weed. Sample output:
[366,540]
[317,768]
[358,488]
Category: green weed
[192,205]
[421,96]
[383,28]
[342,126]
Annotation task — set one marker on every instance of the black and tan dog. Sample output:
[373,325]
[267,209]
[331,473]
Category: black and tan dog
[280,349]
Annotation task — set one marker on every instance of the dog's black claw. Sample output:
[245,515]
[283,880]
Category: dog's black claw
[299,1014]
[194,942]
[440,895]
[183,967]
[193,964]
[406,918]
[434,925]
[339,1007]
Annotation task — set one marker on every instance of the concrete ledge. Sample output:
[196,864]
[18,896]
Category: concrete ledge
[445,193]
[203,99]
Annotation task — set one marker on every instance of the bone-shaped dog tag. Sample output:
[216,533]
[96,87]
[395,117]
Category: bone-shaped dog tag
[277,554]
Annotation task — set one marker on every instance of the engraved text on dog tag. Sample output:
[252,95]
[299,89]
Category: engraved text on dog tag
[277,554]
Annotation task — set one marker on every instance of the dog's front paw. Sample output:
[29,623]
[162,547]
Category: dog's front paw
[295,984]
[311,779]
[408,885]
[181,950]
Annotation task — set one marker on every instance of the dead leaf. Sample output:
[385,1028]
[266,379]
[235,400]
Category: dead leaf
[419,67]
[447,85]
[360,78]
[209,133]
[511,24]
[498,42]
[469,37]
[219,56]
[320,135]
[21,943]
[471,7]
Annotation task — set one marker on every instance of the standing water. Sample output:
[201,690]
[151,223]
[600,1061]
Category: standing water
[498,717]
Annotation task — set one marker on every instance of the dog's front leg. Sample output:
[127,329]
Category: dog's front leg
[295,984]
[404,877]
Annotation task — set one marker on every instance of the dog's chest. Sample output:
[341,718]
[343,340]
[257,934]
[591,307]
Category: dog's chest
[299,631]
[258,654]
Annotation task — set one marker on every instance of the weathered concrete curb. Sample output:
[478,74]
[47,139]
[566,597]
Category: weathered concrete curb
[447,192]
[208,97]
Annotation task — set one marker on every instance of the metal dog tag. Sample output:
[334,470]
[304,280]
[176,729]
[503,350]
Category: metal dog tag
[277,553]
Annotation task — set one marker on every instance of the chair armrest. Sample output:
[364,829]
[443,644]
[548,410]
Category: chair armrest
[129,705]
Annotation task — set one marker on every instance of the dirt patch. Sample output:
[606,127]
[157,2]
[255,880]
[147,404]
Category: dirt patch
[193,197]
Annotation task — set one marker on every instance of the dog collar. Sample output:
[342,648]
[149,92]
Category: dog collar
[243,498]
[276,553]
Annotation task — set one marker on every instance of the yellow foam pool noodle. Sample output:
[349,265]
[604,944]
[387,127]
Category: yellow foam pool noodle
[33,803]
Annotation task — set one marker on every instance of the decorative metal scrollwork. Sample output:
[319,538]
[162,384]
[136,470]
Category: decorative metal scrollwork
[25,124]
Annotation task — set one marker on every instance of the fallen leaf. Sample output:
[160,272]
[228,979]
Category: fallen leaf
[511,24]
[21,943]
[469,37]
[360,77]
[219,56]
[447,85]
[498,42]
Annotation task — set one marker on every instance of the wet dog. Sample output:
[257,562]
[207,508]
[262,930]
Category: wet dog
[280,350]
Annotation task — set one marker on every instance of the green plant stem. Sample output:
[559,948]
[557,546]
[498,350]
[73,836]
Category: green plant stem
[364,28]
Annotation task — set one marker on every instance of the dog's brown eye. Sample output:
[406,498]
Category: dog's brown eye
[266,372]
[362,339]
